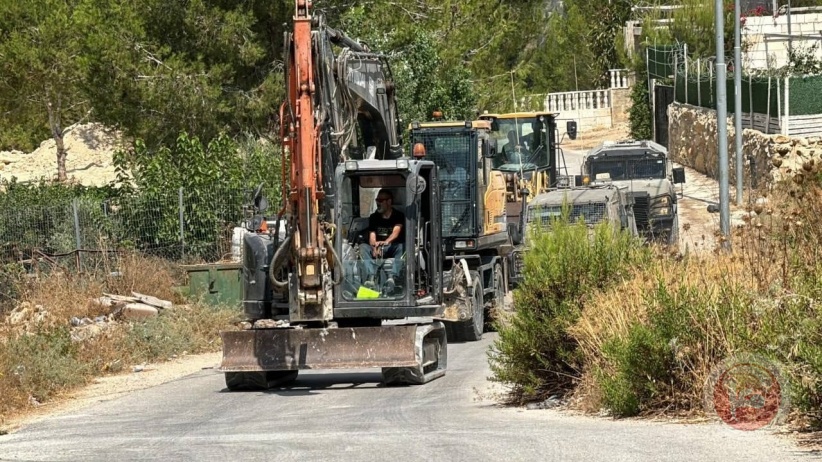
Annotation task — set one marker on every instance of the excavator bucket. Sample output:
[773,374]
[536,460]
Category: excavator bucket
[406,353]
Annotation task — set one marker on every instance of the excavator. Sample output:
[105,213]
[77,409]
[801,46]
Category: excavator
[350,276]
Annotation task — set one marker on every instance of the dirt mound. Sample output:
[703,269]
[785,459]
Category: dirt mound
[89,161]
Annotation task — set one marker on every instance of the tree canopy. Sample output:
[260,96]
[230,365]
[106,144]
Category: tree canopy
[155,68]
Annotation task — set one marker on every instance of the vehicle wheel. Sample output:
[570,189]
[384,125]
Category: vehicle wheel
[236,381]
[498,300]
[470,330]
[673,237]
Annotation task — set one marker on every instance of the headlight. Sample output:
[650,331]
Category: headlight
[661,211]
[662,201]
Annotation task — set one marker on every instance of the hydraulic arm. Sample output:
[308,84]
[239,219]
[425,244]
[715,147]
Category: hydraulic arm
[328,96]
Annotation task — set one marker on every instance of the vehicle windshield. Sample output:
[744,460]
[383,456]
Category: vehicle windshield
[629,168]
[590,213]
[519,146]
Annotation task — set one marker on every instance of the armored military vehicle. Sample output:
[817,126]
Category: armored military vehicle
[645,169]
[592,204]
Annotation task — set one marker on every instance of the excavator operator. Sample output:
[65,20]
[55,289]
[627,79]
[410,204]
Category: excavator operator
[386,235]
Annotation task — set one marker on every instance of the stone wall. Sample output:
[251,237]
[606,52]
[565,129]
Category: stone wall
[692,142]
[620,105]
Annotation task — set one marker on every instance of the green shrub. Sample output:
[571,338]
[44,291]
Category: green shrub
[642,364]
[534,352]
[41,365]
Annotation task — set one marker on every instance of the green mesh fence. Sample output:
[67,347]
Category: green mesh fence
[755,93]
[805,95]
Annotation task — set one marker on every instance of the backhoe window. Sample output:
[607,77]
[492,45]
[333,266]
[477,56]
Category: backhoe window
[590,214]
[372,273]
[629,169]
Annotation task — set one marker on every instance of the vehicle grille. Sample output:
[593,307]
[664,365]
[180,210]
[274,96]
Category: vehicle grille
[641,209]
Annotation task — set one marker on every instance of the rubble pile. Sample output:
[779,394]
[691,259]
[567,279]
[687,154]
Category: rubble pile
[29,319]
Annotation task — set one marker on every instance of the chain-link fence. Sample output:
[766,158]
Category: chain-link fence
[182,225]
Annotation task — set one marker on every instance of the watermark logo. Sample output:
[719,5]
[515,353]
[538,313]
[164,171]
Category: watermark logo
[747,392]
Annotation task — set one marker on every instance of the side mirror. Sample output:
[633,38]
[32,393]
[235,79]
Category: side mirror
[260,203]
[489,148]
[571,129]
[679,175]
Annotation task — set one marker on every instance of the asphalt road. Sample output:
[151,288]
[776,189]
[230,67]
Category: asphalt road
[335,416]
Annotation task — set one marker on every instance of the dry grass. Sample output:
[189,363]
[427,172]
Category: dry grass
[658,334]
[39,359]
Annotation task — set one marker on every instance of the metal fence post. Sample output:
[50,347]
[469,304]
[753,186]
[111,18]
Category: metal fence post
[182,223]
[779,106]
[787,106]
[77,238]
[750,99]
[685,53]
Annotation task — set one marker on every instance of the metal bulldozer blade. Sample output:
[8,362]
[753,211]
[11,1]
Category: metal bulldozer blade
[407,353]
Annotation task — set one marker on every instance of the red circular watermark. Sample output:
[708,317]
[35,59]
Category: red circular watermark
[747,392]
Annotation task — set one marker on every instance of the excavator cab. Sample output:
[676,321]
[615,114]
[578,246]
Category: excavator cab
[403,275]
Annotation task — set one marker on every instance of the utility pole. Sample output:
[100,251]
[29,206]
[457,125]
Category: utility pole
[722,125]
[738,100]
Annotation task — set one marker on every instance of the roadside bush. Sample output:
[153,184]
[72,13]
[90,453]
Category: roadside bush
[534,352]
[42,364]
[651,341]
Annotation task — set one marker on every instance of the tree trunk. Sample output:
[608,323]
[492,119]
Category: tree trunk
[57,134]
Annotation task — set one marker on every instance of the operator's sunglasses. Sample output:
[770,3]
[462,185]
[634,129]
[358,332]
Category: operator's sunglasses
[382,200]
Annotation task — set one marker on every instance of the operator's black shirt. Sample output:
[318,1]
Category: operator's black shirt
[384,226]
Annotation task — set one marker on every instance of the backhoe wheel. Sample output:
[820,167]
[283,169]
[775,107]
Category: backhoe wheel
[236,381]
[470,330]
[498,300]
